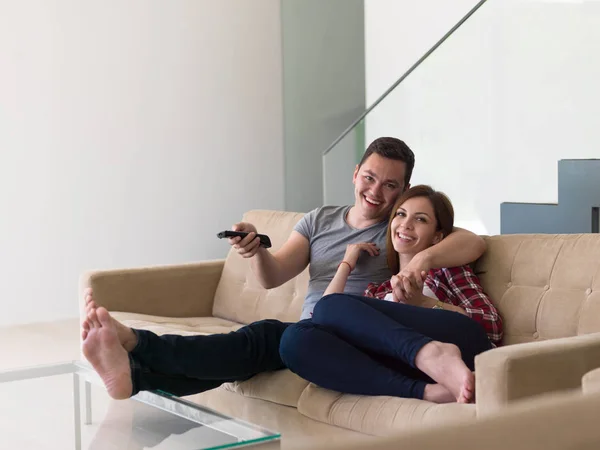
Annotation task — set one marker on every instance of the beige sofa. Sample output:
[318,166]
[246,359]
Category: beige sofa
[563,421]
[547,288]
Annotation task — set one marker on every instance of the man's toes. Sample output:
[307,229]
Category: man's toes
[103,317]
[90,305]
[93,319]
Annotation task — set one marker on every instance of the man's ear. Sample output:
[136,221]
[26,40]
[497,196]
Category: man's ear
[356,169]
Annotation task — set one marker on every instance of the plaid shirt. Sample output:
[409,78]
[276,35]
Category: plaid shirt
[458,286]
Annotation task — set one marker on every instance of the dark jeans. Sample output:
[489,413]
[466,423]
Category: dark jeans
[185,365]
[367,346]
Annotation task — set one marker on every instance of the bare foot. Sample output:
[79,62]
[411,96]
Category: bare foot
[469,398]
[103,350]
[127,337]
[437,393]
[444,364]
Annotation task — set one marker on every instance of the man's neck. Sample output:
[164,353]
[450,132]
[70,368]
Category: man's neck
[355,220]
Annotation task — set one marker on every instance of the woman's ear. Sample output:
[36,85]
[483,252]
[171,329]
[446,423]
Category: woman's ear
[438,238]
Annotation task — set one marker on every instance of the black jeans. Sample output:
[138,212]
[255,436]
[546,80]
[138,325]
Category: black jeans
[367,346]
[185,365]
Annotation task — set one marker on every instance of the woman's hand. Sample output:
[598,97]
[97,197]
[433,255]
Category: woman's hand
[405,290]
[413,275]
[353,251]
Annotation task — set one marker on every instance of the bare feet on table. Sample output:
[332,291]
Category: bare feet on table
[443,363]
[127,337]
[102,348]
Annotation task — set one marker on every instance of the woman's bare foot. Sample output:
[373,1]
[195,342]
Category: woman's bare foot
[127,337]
[437,393]
[105,353]
[444,364]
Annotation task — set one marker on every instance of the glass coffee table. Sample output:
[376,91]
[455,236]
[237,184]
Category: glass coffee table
[65,406]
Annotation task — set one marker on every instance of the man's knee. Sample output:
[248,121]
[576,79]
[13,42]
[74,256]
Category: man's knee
[266,330]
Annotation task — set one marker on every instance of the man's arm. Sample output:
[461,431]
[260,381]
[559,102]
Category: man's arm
[459,248]
[274,269]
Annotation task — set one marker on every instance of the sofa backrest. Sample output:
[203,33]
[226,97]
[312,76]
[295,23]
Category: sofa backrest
[241,298]
[545,286]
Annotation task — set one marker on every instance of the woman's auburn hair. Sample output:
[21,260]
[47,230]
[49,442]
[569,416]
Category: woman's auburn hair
[444,217]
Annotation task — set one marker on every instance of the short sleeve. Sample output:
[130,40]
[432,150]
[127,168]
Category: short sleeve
[306,225]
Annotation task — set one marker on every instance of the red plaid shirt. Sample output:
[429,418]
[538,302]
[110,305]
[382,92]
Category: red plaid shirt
[457,286]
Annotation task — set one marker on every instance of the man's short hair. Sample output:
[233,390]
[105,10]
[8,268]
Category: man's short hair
[392,148]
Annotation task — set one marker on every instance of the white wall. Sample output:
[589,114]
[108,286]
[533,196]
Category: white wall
[324,91]
[130,134]
[491,113]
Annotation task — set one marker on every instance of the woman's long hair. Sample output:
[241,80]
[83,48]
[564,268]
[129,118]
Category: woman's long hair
[444,218]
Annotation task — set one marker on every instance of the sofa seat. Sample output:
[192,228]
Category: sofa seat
[378,415]
[281,386]
[185,326]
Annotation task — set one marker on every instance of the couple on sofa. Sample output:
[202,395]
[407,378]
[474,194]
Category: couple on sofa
[395,243]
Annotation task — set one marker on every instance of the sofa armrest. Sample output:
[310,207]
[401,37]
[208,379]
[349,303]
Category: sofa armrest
[591,382]
[173,291]
[514,372]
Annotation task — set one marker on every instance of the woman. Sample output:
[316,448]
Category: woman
[417,346]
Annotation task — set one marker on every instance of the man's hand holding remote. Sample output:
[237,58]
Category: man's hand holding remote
[246,247]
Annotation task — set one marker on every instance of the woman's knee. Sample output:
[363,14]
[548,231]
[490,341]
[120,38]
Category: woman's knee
[328,307]
[295,341]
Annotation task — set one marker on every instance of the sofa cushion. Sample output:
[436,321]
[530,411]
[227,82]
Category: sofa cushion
[545,286]
[281,386]
[241,298]
[378,416]
[185,326]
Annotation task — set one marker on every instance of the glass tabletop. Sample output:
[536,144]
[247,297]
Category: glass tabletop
[66,406]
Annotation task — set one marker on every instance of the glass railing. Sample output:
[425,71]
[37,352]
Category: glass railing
[490,109]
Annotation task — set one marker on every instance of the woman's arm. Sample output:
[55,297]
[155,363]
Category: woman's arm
[338,283]
[428,302]
[422,300]
[353,251]
[464,290]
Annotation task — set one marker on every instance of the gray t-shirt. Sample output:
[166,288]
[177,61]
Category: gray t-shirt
[328,235]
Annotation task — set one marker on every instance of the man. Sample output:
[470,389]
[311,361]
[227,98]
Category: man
[132,360]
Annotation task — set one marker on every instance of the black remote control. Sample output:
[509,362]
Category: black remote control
[264,239]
